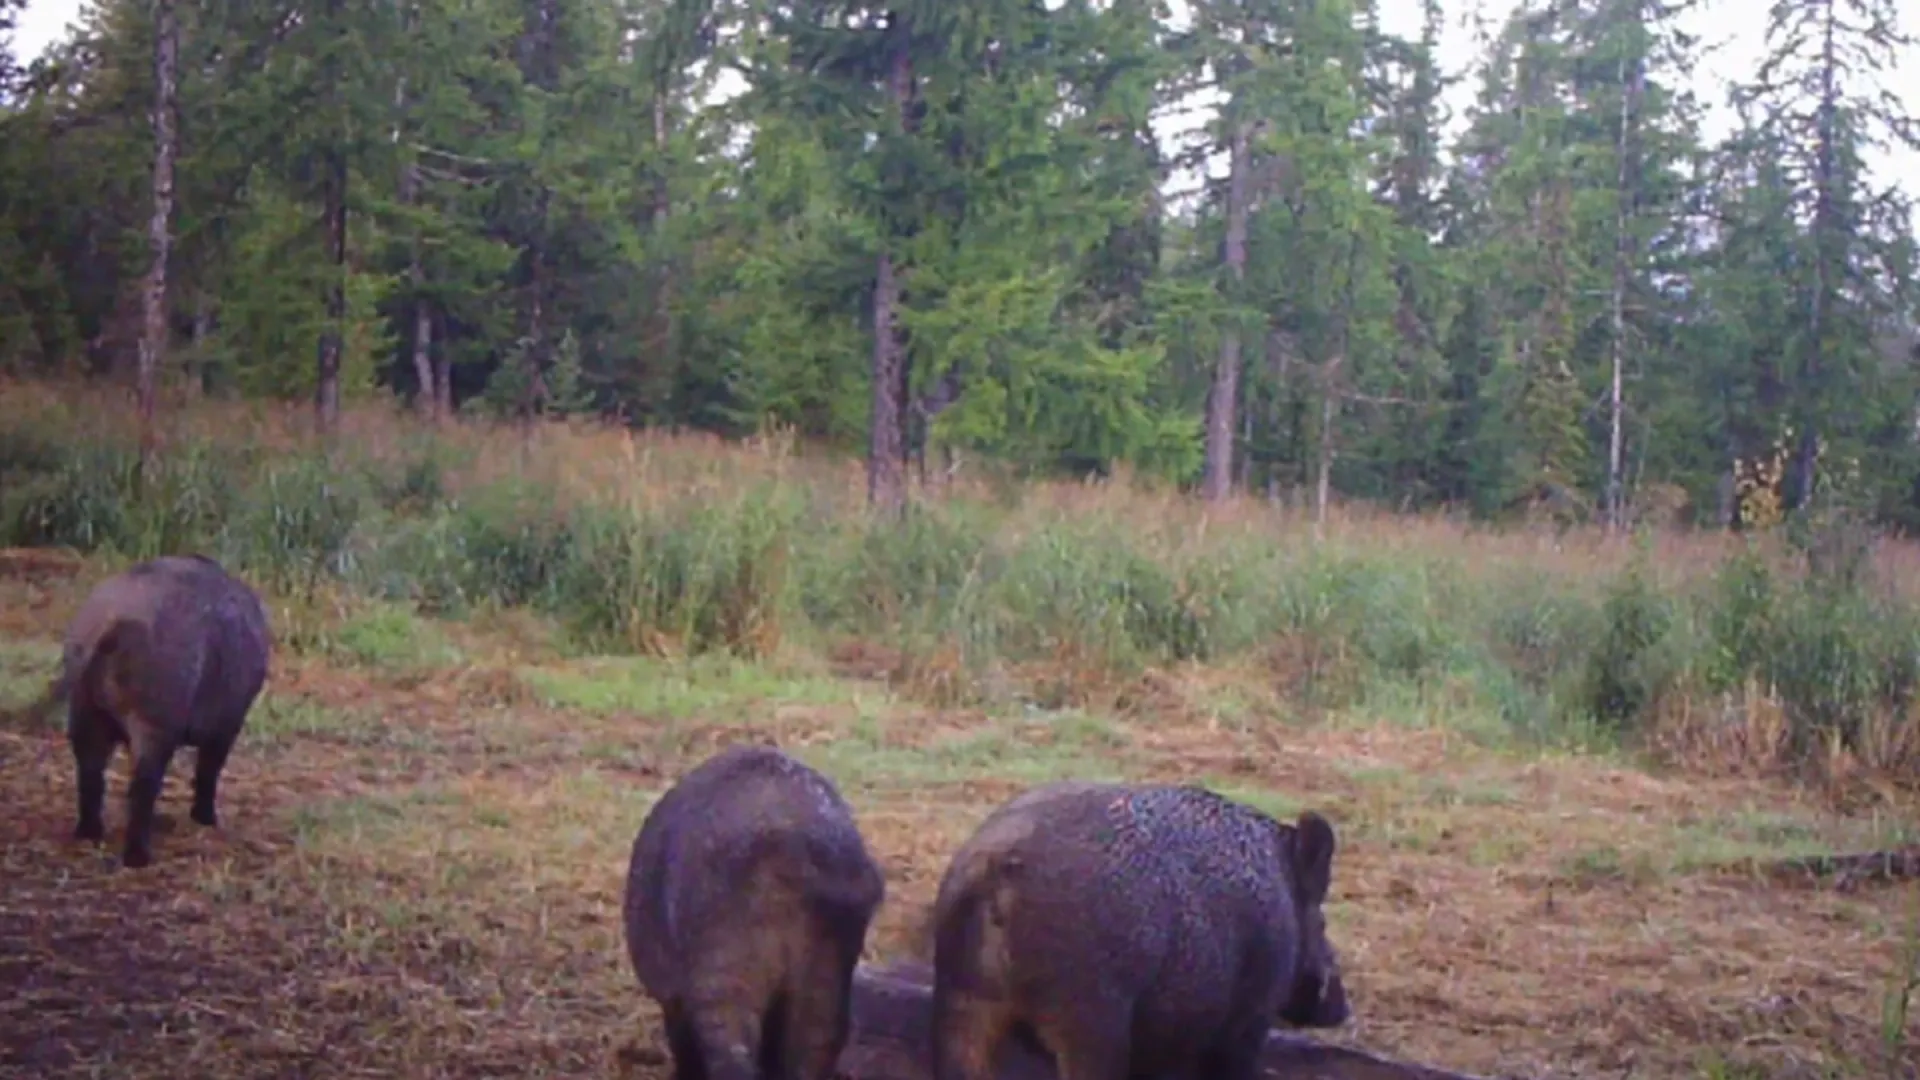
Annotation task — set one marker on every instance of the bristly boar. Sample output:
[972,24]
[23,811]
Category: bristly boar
[1132,930]
[748,899]
[171,652]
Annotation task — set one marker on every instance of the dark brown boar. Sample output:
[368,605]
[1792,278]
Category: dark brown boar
[748,898]
[1132,930]
[171,652]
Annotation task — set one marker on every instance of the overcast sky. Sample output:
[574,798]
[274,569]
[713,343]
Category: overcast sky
[1736,29]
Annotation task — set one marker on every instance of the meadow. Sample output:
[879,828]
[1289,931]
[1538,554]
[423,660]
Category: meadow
[1565,768]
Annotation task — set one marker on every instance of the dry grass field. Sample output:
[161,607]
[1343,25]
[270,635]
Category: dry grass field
[426,824]
[419,873]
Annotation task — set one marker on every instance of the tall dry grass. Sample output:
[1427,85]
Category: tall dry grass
[1708,647]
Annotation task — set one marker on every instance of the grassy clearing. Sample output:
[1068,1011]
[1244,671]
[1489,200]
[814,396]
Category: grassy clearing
[421,863]
[496,653]
[1721,654]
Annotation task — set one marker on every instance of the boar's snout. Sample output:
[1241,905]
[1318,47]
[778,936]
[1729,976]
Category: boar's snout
[1330,1009]
[1319,999]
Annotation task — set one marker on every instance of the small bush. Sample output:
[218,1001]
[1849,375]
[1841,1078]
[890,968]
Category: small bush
[508,545]
[684,578]
[296,525]
[82,499]
[915,573]
[1628,666]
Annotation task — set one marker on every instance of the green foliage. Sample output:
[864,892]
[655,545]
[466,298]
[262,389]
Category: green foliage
[1016,596]
[270,311]
[1838,651]
[547,207]
[694,575]
[1632,661]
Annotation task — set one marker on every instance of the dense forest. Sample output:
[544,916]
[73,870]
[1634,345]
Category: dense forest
[927,230]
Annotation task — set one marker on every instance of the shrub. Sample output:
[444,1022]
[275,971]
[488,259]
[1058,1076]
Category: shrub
[683,546]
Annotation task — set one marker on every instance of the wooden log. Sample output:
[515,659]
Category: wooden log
[892,1016]
[1852,870]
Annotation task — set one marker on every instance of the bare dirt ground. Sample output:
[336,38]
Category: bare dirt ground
[420,862]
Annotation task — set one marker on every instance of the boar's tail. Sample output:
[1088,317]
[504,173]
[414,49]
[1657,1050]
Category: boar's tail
[61,685]
[841,885]
[122,640]
[102,650]
[110,650]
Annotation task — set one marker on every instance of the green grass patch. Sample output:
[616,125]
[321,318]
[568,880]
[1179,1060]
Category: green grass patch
[1283,805]
[1609,864]
[1760,836]
[392,638]
[282,722]
[710,687]
[1436,791]
[1031,750]
[25,669]
[374,817]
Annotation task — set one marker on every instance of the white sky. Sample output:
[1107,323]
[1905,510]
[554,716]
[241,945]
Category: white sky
[1733,29]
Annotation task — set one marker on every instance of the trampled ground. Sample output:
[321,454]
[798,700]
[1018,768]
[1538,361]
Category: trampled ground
[422,853]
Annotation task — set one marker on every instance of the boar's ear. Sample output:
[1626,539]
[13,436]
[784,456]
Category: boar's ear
[1313,846]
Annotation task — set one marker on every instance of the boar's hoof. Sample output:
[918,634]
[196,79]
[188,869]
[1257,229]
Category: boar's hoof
[90,831]
[136,858]
[204,815]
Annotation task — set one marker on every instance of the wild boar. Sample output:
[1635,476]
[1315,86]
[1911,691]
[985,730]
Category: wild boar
[748,898]
[1132,930]
[171,652]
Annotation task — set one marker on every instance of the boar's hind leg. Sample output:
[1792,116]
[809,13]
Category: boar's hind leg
[1091,1039]
[1097,1059]
[728,1038]
[208,761]
[1237,1055]
[153,750]
[682,1043]
[967,1032]
[91,737]
[818,1016]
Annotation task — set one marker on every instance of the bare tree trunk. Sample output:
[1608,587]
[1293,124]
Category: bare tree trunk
[153,337]
[661,364]
[1331,393]
[1280,346]
[1245,464]
[533,391]
[202,330]
[326,389]
[425,399]
[333,337]
[540,68]
[443,383]
[1323,483]
[886,480]
[886,443]
[1616,510]
[429,400]
[1223,398]
[1827,229]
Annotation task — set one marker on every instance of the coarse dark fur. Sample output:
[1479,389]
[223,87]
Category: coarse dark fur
[1132,930]
[171,652]
[748,899]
